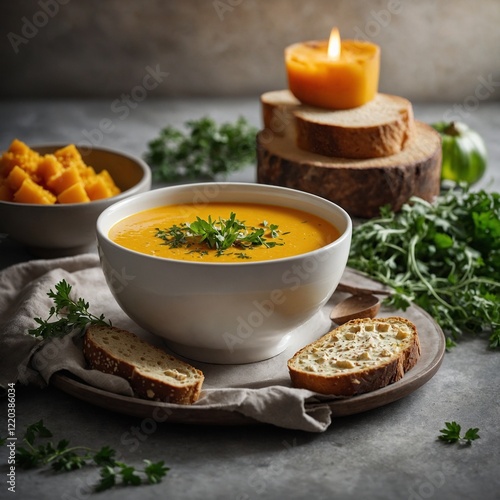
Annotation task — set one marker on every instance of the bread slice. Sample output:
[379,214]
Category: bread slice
[278,107]
[359,186]
[357,357]
[381,127]
[152,373]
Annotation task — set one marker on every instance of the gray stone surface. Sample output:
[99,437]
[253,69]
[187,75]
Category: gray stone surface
[389,453]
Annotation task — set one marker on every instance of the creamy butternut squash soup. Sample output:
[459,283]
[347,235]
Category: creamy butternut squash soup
[223,232]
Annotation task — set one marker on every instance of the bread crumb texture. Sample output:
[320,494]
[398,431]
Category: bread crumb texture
[359,356]
[152,373]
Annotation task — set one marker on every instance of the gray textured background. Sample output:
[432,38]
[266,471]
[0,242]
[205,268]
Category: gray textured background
[431,50]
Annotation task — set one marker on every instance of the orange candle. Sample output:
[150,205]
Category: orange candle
[333,74]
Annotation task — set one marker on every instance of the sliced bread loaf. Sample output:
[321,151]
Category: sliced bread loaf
[357,357]
[381,127]
[152,373]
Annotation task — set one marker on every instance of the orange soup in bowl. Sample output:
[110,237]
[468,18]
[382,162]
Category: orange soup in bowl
[223,232]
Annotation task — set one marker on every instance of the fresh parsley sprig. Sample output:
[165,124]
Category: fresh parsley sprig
[452,434]
[70,314]
[220,235]
[204,150]
[443,256]
[63,458]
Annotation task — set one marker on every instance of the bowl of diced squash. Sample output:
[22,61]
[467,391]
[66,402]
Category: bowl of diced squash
[52,195]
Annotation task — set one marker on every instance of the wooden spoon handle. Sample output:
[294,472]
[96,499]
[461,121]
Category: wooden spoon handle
[355,290]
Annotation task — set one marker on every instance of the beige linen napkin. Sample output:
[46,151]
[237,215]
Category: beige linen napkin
[261,391]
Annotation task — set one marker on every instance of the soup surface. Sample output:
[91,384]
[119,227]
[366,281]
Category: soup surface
[223,232]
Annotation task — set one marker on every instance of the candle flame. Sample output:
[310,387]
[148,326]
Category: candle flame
[334,44]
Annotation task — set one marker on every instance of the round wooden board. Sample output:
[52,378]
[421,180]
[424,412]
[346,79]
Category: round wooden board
[433,348]
[360,187]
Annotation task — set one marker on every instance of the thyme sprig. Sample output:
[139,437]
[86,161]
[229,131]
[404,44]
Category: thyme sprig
[62,457]
[70,314]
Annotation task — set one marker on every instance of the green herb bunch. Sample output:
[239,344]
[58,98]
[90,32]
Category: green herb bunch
[220,234]
[204,150]
[444,257]
[62,457]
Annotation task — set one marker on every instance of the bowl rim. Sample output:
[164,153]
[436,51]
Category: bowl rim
[346,234]
[144,181]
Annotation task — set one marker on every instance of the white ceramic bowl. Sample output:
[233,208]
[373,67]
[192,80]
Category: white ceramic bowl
[60,230]
[223,312]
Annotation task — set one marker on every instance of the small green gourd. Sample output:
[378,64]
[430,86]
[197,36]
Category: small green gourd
[464,153]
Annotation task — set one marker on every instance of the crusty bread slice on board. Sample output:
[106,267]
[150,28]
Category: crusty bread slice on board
[152,373]
[359,186]
[381,127]
[278,107]
[357,357]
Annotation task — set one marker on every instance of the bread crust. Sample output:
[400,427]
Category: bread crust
[351,382]
[357,142]
[278,112]
[117,358]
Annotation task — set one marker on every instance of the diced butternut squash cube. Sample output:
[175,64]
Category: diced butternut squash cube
[63,181]
[69,156]
[106,177]
[74,194]
[70,151]
[49,167]
[21,155]
[7,162]
[97,189]
[31,192]
[16,178]
[18,147]
[87,173]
